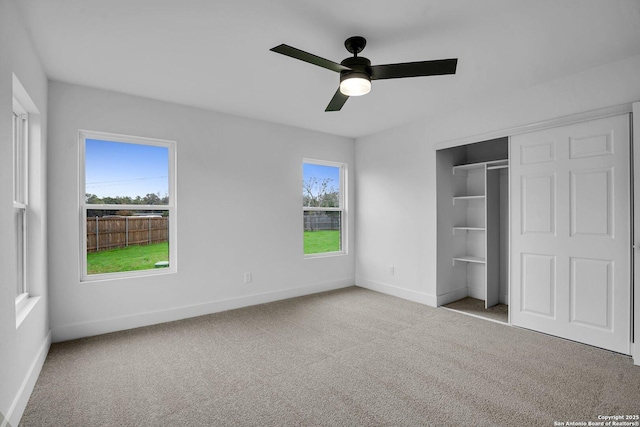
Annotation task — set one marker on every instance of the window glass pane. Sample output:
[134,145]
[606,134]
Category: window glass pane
[322,232]
[120,238]
[124,173]
[19,147]
[322,188]
[320,185]
[126,240]
[16,157]
[19,221]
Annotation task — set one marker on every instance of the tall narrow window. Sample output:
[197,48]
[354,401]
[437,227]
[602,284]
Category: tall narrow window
[323,208]
[20,196]
[128,206]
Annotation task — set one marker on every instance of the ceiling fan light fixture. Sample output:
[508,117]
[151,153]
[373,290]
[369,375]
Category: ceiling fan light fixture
[355,84]
[356,72]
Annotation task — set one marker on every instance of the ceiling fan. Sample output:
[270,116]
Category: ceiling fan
[357,72]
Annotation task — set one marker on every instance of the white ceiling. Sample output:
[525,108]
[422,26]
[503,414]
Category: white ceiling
[214,54]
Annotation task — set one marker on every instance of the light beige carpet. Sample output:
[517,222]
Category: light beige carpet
[351,357]
[499,312]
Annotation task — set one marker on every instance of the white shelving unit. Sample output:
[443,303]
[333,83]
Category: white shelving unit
[476,228]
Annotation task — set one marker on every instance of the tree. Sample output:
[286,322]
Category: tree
[151,199]
[118,200]
[92,199]
[320,193]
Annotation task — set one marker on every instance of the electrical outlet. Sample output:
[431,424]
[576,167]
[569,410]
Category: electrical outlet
[247,277]
[391,270]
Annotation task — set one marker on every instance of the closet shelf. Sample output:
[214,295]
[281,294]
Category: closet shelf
[467,167]
[493,164]
[469,258]
[468,229]
[466,198]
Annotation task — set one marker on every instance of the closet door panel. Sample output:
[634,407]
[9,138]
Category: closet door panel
[538,285]
[592,292]
[570,232]
[538,204]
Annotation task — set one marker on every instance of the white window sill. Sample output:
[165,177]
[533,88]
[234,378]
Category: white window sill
[127,275]
[24,305]
[325,255]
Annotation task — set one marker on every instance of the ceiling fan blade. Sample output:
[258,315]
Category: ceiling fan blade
[309,57]
[337,101]
[414,69]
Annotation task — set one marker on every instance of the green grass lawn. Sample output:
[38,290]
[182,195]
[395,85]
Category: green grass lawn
[316,242]
[144,257]
[127,259]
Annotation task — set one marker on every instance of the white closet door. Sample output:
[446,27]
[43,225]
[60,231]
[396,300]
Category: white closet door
[570,231]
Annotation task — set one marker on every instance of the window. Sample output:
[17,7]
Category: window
[28,261]
[324,213]
[128,206]
[20,197]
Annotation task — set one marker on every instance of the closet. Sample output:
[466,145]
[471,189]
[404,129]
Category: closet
[541,222]
[473,223]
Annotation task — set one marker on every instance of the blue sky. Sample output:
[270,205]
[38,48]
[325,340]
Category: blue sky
[321,172]
[120,169]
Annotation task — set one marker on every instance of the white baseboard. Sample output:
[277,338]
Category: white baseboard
[452,296]
[22,398]
[395,291]
[467,292]
[477,293]
[103,326]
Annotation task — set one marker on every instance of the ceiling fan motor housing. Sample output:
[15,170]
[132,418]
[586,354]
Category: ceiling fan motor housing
[360,67]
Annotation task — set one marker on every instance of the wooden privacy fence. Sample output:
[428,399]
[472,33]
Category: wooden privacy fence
[122,231]
[316,221]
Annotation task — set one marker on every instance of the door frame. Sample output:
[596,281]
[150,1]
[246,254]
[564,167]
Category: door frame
[635,227]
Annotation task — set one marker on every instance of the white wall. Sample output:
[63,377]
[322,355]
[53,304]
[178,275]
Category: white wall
[396,186]
[396,216]
[22,349]
[239,195]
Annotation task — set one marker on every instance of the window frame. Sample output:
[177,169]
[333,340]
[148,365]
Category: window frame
[20,137]
[84,207]
[342,200]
